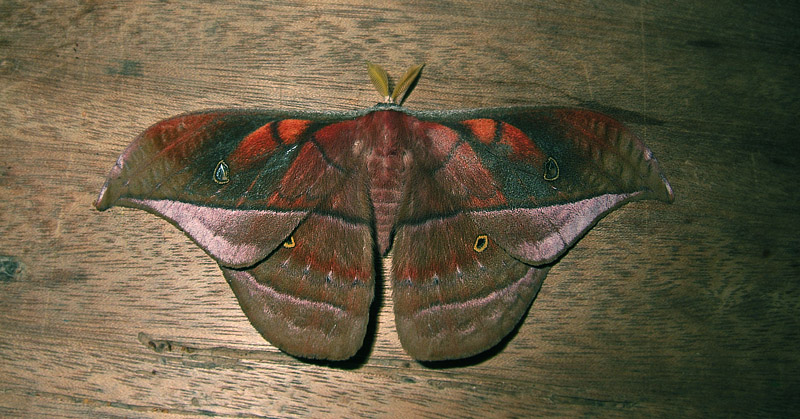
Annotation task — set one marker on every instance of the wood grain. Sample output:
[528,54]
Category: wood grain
[661,310]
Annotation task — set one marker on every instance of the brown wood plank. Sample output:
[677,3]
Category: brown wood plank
[683,309]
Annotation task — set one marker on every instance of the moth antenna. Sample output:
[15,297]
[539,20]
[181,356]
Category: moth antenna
[406,84]
[379,79]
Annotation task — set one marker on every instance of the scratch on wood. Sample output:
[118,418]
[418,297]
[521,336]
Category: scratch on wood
[588,80]
[94,402]
[619,404]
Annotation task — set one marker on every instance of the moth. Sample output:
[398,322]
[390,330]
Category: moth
[300,209]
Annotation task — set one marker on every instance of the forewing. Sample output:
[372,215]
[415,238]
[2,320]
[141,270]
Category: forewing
[560,171]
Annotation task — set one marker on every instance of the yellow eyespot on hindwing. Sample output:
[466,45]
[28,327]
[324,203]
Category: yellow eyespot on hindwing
[551,169]
[289,243]
[481,242]
[221,173]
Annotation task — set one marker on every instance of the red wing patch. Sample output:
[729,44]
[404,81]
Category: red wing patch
[522,147]
[293,202]
[496,200]
[483,129]
[308,179]
[254,147]
[290,130]
[338,140]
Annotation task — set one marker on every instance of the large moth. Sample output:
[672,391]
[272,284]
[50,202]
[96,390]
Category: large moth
[299,209]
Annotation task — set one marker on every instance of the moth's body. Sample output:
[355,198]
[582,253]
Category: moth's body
[383,144]
[295,208]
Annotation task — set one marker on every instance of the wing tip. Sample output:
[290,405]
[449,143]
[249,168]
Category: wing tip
[667,195]
[658,185]
[103,201]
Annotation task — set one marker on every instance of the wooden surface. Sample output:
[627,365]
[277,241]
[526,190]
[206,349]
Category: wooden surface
[665,310]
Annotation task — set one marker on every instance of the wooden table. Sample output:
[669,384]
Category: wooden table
[690,309]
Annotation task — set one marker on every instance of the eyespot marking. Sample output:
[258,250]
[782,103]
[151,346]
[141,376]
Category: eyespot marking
[551,170]
[481,242]
[222,173]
